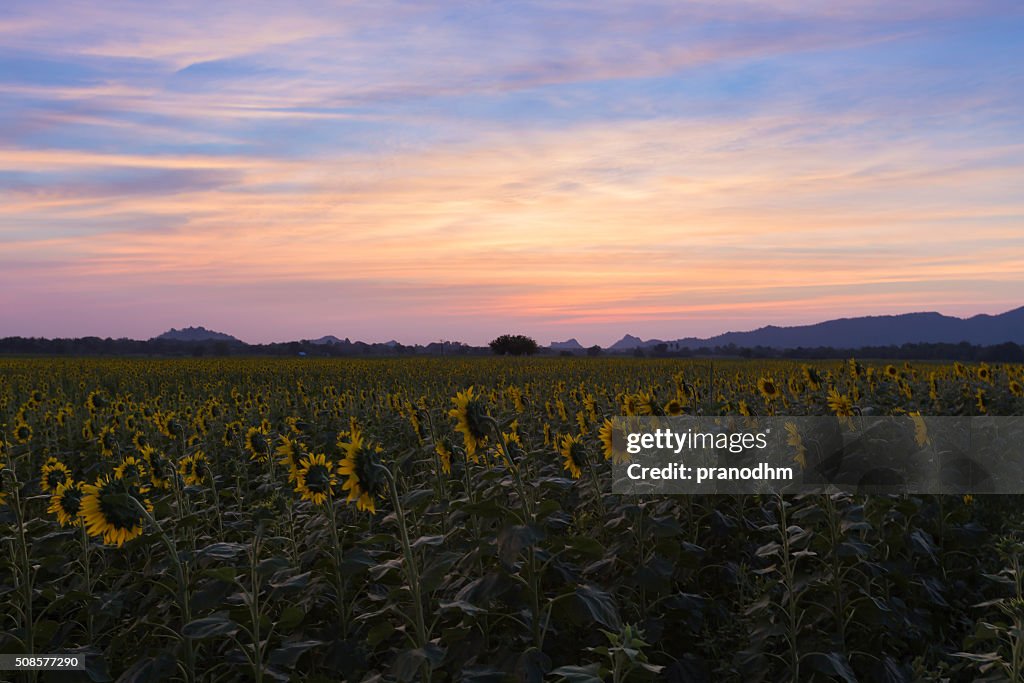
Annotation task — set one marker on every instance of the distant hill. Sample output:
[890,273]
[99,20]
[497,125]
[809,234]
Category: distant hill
[568,345]
[194,334]
[851,333]
[629,342]
[329,339]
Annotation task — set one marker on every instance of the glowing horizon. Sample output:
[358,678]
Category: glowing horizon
[434,171]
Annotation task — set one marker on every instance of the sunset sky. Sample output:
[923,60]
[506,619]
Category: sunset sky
[457,170]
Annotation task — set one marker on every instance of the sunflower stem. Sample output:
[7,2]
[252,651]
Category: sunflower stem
[332,521]
[411,570]
[179,574]
[254,605]
[23,576]
[538,635]
[87,572]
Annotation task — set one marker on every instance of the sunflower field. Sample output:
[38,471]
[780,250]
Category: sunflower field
[439,519]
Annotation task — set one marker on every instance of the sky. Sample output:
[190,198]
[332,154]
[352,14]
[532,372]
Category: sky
[457,170]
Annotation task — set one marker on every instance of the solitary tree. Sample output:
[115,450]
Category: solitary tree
[514,344]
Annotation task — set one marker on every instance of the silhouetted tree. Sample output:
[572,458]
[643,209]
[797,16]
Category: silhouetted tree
[514,344]
[594,350]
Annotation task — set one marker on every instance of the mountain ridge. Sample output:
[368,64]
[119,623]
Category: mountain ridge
[860,331]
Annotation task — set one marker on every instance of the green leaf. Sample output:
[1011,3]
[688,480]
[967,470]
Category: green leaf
[291,583]
[379,632]
[426,541]
[463,607]
[221,551]
[288,654]
[210,595]
[831,664]
[532,665]
[600,606]
[585,546]
[291,617]
[512,540]
[209,627]
[591,673]
[271,566]
[408,663]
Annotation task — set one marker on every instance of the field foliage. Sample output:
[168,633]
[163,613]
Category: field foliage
[444,519]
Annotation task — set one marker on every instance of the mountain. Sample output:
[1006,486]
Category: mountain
[569,345]
[876,330]
[328,339]
[195,334]
[629,342]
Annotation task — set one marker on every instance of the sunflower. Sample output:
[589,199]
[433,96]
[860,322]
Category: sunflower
[134,470]
[471,413]
[1016,389]
[290,456]
[444,452]
[794,439]
[22,432]
[645,404]
[52,474]
[981,401]
[194,469]
[983,373]
[108,512]
[812,377]
[66,503]
[314,478]
[232,432]
[257,443]
[140,441]
[292,423]
[841,405]
[560,407]
[891,371]
[606,433]
[920,428]
[768,388]
[630,405]
[361,466]
[159,468]
[674,407]
[108,441]
[95,402]
[574,455]
[515,445]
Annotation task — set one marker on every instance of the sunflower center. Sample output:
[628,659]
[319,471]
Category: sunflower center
[118,513]
[318,479]
[475,415]
[370,480]
[578,454]
[71,502]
